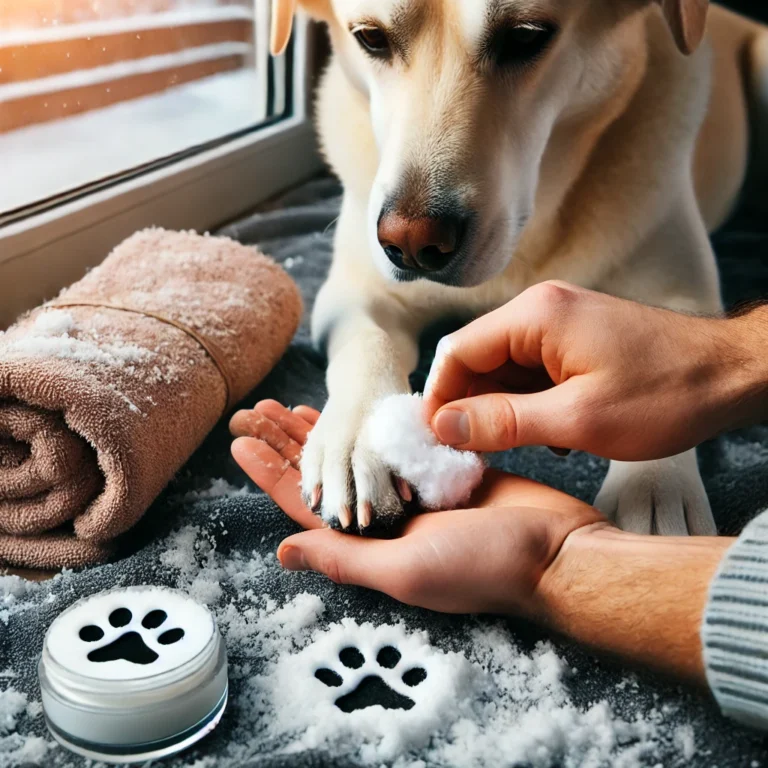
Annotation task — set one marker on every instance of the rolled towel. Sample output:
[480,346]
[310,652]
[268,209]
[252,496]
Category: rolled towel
[106,391]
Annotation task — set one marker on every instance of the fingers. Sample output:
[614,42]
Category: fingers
[254,424]
[275,475]
[342,558]
[511,333]
[510,378]
[499,421]
[293,424]
[310,415]
[284,430]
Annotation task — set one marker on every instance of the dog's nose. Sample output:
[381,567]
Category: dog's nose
[424,244]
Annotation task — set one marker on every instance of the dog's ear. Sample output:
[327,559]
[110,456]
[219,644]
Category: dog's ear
[283,12]
[687,19]
[282,24]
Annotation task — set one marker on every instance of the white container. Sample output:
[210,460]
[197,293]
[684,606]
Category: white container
[133,674]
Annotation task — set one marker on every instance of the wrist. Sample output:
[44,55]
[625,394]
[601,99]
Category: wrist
[641,598]
[748,336]
[567,566]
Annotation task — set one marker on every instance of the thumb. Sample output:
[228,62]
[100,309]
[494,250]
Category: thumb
[499,421]
[343,558]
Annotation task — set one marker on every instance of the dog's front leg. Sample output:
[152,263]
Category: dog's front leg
[371,352]
[675,268]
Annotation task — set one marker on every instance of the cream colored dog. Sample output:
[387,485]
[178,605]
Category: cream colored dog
[488,145]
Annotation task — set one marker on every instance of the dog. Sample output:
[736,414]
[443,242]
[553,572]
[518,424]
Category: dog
[485,146]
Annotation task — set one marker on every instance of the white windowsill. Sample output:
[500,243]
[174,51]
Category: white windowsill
[40,254]
[103,142]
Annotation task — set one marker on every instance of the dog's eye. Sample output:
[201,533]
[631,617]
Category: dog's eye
[373,39]
[519,44]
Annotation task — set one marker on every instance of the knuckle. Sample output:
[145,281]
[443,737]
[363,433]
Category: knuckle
[445,345]
[504,425]
[582,421]
[554,295]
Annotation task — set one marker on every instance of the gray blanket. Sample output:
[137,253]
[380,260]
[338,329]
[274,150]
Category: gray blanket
[516,696]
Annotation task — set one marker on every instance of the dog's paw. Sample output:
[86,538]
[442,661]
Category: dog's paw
[344,481]
[663,497]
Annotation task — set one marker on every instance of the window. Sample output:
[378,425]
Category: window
[93,88]
[121,114]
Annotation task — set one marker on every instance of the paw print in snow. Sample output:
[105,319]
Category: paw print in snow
[373,685]
[382,687]
[127,639]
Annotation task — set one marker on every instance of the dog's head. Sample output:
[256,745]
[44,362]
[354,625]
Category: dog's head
[464,98]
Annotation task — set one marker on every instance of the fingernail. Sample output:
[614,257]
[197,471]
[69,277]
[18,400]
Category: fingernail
[404,489]
[292,559]
[442,349]
[317,495]
[345,516]
[452,427]
[430,380]
[364,513]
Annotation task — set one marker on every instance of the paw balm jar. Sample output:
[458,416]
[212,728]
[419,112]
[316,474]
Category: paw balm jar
[133,674]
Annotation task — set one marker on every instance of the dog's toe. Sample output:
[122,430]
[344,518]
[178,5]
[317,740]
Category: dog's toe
[380,508]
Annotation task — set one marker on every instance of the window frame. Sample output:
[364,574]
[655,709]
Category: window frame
[43,252]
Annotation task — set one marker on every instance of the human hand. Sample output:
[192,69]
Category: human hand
[489,557]
[563,366]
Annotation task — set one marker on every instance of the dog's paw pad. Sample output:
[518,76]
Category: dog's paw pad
[91,634]
[352,658]
[375,685]
[388,657]
[329,677]
[154,619]
[132,645]
[120,618]
[415,676]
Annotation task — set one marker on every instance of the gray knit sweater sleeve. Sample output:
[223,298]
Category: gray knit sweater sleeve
[734,632]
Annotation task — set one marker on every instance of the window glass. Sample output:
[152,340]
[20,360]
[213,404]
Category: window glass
[90,89]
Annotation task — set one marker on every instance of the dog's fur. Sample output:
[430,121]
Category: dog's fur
[606,163]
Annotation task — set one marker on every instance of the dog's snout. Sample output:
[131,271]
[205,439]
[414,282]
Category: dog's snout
[423,244]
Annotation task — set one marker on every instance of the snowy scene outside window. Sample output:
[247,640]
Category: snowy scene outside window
[90,89]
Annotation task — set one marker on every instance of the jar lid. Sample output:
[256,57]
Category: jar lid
[133,674]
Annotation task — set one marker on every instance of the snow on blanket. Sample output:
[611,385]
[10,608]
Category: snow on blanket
[298,682]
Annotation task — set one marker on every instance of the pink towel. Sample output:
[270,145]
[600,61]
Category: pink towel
[106,391]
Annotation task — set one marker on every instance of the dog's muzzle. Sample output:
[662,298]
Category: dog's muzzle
[422,244]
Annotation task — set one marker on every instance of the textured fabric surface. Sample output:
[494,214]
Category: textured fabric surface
[214,535]
[99,407]
[735,628]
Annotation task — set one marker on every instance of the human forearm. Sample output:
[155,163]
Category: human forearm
[638,597]
[749,335]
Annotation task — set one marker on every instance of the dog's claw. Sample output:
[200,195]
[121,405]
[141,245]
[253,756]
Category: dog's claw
[404,489]
[345,516]
[317,496]
[364,515]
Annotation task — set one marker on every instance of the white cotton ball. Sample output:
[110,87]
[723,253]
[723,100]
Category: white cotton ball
[398,433]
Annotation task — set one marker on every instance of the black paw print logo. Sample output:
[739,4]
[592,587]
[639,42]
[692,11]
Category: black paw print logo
[377,688]
[129,644]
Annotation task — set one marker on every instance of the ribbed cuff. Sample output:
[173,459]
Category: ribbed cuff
[734,632]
